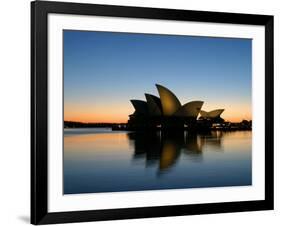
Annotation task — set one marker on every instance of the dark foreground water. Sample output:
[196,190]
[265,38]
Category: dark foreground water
[101,160]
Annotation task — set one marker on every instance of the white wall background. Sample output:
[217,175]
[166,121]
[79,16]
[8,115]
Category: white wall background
[15,113]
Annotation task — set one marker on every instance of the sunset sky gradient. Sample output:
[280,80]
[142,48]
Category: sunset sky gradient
[104,70]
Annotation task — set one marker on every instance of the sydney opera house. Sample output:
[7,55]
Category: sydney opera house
[166,112]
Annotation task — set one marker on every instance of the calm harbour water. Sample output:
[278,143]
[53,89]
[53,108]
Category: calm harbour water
[101,160]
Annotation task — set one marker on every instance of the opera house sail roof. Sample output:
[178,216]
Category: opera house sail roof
[190,109]
[211,114]
[140,107]
[154,105]
[169,101]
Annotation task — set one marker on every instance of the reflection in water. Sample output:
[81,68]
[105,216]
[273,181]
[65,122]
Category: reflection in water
[100,160]
[164,149]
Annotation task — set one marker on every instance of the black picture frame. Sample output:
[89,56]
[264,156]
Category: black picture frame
[39,112]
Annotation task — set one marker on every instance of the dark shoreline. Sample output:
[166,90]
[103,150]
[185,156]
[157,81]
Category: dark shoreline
[125,127]
[70,124]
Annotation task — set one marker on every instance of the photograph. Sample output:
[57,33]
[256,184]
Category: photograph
[149,111]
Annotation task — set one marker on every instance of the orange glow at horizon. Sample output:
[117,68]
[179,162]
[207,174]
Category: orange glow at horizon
[104,114]
[113,114]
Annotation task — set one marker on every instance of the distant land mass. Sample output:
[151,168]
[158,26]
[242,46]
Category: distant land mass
[71,124]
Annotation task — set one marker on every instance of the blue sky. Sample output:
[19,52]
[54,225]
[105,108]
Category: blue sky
[104,70]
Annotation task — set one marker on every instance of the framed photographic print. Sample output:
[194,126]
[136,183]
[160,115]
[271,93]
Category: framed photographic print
[145,112]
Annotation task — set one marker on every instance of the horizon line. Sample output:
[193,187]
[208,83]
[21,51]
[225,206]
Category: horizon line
[127,122]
